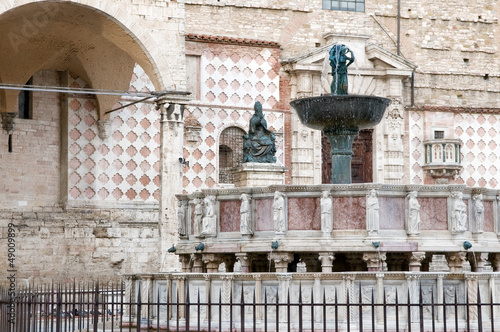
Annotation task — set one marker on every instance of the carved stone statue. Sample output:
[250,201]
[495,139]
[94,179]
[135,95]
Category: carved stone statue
[245,228]
[459,213]
[339,61]
[198,215]
[478,213]
[372,217]
[210,219]
[413,225]
[326,212]
[279,212]
[259,144]
[181,218]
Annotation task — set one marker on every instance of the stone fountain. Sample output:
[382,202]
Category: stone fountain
[340,116]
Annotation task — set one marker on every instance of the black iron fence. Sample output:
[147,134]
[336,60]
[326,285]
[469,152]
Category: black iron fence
[91,307]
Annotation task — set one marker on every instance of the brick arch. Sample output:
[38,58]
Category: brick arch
[127,33]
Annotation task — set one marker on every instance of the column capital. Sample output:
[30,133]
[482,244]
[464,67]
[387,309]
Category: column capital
[456,261]
[374,260]
[8,121]
[416,259]
[281,260]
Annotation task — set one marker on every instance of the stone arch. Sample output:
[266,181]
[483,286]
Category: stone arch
[98,40]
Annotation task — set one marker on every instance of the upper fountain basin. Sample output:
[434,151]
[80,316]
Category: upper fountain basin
[329,112]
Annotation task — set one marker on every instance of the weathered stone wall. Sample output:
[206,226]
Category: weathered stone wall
[232,76]
[30,173]
[453,49]
[60,245]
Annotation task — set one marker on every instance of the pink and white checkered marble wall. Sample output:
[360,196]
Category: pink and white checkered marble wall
[125,166]
[241,77]
[232,79]
[479,133]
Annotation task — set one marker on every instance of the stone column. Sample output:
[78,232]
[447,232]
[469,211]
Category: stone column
[283,290]
[440,296]
[456,261]
[244,262]
[374,260]
[416,260]
[169,295]
[181,296]
[185,263]
[491,290]
[227,286]
[318,298]
[326,259]
[146,294]
[379,311]
[129,311]
[481,259]
[472,284]
[212,262]
[348,296]
[197,263]
[495,262]
[281,260]
[172,125]
[258,297]
[208,295]
[412,281]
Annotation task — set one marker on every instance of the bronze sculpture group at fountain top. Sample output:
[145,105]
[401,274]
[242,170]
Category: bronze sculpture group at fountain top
[340,116]
[340,57]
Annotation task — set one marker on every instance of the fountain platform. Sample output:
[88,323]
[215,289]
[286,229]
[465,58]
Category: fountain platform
[350,236]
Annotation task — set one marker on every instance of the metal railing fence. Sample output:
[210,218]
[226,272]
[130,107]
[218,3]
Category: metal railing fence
[91,307]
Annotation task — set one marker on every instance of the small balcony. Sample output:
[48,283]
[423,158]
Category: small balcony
[442,159]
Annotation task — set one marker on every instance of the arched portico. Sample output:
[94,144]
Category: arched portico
[97,40]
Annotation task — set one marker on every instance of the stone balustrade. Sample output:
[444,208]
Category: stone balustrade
[369,227]
[442,158]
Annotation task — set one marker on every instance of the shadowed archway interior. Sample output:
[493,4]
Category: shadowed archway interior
[68,36]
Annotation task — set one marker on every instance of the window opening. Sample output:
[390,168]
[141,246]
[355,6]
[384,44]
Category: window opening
[345,5]
[438,134]
[25,101]
[230,152]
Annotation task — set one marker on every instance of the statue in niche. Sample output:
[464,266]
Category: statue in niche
[478,213]
[279,212]
[302,268]
[181,218]
[326,212]
[198,215]
[339,61]
[245,228]
[459,213]
[372,207]
[259,144]
[210,219]
[413,227]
